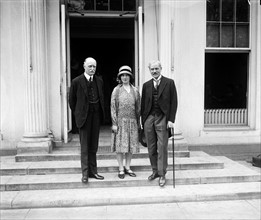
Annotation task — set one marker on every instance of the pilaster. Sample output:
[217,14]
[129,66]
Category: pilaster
[167,53]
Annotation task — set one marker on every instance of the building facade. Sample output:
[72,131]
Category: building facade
[211,48]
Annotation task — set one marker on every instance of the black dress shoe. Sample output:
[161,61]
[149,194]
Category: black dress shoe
[96,176]
[153,176]
[162,181]
[85,179]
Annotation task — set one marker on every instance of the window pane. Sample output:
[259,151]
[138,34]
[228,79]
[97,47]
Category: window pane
[213,34]
[228,10]
[227,38]
[242,35]
[129,5]
[213,10]
[89,5]
[116,5]
[242,11]
[226,80]
[102,5]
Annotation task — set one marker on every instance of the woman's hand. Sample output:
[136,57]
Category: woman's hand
[114,128]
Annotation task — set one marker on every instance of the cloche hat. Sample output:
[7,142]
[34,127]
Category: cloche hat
[125,70]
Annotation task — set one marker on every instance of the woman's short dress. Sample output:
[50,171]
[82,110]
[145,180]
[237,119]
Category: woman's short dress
[127,138]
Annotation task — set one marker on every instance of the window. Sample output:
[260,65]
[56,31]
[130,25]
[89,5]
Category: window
[226,63]
[228,23]
[102,5]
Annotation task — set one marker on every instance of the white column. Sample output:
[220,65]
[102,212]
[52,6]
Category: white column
[164,29]
[35,138]
[167,9]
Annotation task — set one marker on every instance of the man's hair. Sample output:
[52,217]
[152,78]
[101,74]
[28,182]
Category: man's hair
[155,62]
[89,58]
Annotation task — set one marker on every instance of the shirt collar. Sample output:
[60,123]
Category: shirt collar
[159,78]
[87,76]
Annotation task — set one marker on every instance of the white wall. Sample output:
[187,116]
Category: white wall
[11,73]
[189,51]
[150,38]
[54,67]
[190,41]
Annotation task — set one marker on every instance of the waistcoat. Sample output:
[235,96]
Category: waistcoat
[92,91]
[155,109]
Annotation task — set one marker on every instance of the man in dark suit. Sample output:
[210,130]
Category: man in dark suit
[158,112]
[87,103]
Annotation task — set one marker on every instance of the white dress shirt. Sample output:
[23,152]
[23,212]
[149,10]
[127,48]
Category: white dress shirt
[88,77]
[156,82]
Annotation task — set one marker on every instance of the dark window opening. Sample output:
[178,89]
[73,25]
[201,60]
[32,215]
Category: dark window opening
[226,80]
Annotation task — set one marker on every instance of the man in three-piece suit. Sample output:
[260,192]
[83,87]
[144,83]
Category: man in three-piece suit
[87,103]
[158,112]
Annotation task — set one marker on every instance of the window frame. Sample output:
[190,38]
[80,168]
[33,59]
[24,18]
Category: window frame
[108,10]
[234,50]
[220,22]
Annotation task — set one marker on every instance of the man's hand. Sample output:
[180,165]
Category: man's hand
[114,128]
[170,124]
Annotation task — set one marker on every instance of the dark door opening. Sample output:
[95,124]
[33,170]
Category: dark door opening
[110,41]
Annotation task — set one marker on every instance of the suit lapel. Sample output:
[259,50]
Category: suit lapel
[98,85]
[84,84]
[162,85]
[149,89]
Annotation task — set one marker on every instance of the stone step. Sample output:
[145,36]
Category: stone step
[104,166]
[105,145]
[63,155]
[105,133]
[231,173]
[73,181]
[91,197]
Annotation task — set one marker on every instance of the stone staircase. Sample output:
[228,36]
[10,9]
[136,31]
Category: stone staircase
[54,180]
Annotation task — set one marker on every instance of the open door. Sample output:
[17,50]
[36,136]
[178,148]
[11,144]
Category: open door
[65,78]
[139,79]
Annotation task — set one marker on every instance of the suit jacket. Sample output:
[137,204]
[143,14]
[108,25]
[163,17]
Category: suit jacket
[79,101]
[167,99]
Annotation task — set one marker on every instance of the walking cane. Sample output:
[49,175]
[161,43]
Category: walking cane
[173,157]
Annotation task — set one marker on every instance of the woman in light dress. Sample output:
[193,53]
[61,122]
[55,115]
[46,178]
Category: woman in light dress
[125,115]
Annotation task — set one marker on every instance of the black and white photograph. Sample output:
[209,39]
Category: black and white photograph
[130,109]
